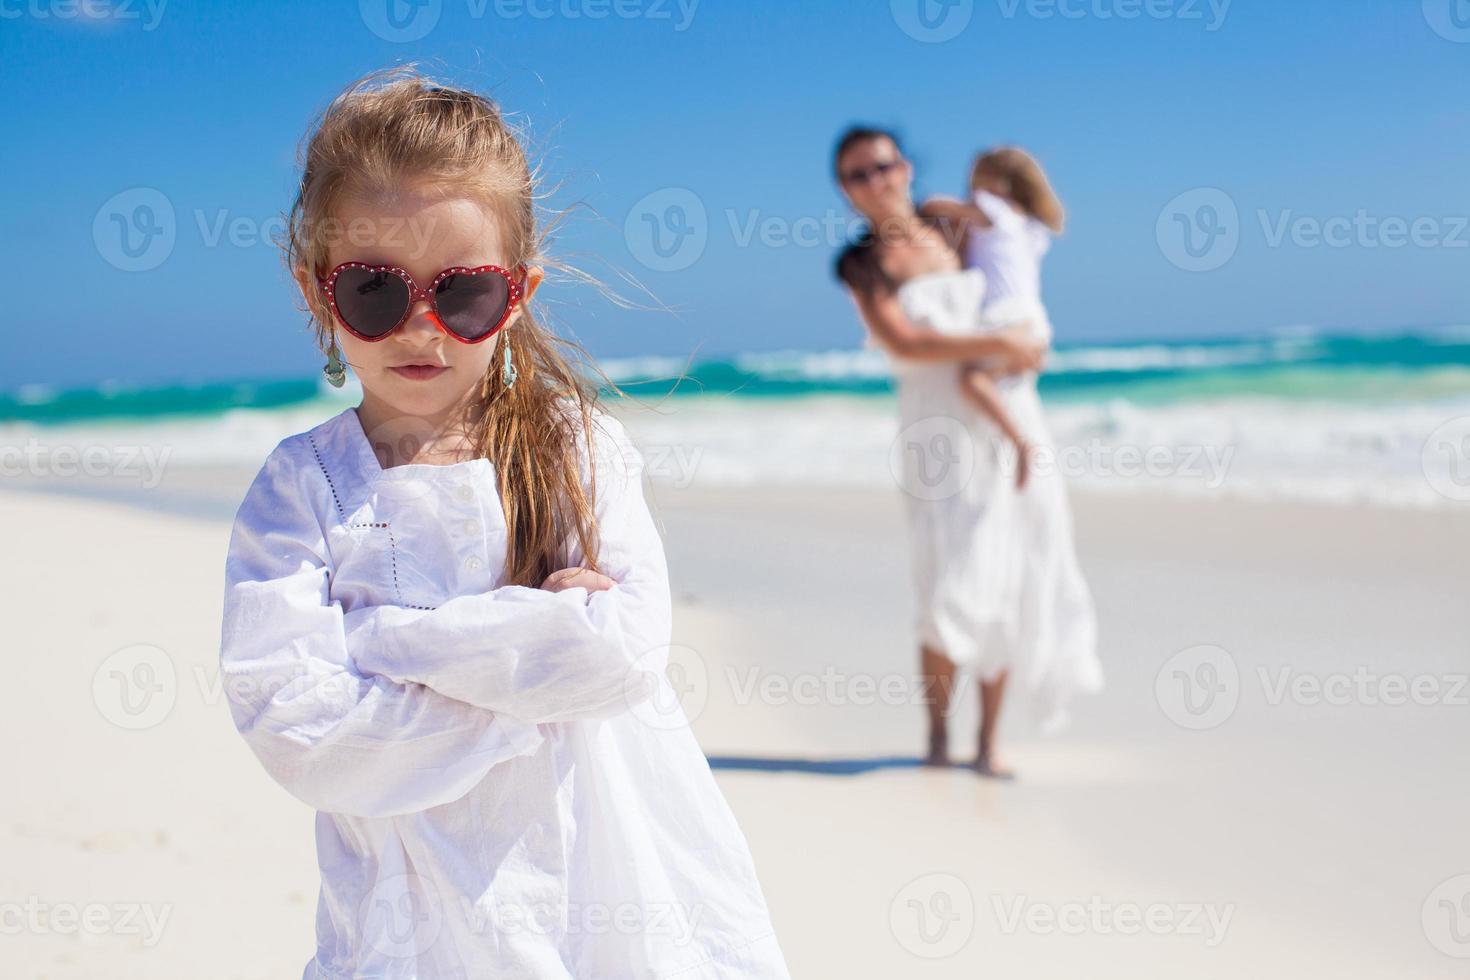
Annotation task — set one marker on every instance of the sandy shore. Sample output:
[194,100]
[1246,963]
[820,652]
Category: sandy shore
[1302,814]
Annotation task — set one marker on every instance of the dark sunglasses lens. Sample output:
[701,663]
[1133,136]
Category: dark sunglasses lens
[868,173]
[472,306]
[369,302]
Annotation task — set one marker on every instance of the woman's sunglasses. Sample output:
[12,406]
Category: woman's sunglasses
[372,301]
[862,175]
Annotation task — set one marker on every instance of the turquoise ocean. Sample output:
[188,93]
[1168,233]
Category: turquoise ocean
[1299,414]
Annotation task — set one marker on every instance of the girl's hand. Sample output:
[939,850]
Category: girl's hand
[1023,352]
[571,578]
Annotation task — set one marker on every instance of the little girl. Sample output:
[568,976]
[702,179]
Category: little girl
[447,610]
[1008,230]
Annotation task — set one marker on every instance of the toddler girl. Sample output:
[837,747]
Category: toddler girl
[1009,223]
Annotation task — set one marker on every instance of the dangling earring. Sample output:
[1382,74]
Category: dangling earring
[335,370]
[508,369]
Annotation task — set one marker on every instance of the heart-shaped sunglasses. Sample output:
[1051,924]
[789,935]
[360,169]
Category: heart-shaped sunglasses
[371,301]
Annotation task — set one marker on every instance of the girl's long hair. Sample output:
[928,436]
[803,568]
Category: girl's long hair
[396,127]
[1024,182]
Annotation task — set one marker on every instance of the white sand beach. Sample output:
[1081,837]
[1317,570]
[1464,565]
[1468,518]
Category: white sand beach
[1306,821]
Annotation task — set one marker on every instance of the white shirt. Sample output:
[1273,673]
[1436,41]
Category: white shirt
[506,783]
[1009,252]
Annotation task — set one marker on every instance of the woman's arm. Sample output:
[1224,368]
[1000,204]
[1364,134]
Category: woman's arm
[885,319]
[538,655]
[953,212]
[339,739]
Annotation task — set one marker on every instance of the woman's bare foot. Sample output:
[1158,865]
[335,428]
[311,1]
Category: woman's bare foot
[938,750]
[986,765]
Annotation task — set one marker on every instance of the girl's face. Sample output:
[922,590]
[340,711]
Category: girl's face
[425,233]
[876,178]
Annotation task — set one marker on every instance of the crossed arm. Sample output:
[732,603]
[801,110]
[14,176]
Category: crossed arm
[387,710]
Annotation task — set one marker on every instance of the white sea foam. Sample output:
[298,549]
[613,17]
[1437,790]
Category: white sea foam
[1403,454]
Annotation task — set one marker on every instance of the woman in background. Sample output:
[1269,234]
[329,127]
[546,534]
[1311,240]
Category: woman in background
[996,583]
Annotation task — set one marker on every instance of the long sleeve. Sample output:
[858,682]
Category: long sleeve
[339,739]
[542,656]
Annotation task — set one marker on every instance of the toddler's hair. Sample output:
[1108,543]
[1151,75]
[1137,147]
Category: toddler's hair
[1023,181]
[395,128]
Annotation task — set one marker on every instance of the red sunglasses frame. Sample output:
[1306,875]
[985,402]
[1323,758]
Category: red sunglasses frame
[329,290]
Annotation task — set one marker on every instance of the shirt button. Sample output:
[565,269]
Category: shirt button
[472,563]
[471,527]
[465,492]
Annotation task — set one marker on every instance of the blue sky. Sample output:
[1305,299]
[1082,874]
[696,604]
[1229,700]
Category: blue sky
[1336,131]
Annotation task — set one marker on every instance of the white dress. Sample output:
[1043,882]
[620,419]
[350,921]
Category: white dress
[506,783]
[997,585]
